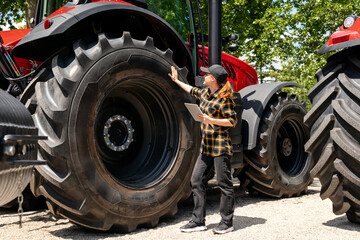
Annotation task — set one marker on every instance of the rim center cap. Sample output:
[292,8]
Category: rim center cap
[286,147]
[118,133]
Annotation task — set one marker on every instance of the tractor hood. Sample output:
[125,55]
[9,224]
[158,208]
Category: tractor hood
[346,36]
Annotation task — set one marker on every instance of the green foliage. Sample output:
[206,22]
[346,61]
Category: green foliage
[11,12]
[280,38]
[174,12]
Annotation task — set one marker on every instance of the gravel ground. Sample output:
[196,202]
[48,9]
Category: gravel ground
[305,217]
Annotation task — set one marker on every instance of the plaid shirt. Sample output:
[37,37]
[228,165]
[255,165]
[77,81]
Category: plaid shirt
[215,138]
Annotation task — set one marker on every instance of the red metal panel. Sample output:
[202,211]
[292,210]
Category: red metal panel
[11,38]
[344,35]
[240,73]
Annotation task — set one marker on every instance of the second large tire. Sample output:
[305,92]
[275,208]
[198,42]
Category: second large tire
[335,132]
[278,166]
[121,145]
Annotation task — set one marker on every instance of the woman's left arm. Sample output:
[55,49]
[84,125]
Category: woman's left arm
[220,122]
[227,111]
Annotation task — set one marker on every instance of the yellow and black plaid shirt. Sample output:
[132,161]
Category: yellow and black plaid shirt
[215,139]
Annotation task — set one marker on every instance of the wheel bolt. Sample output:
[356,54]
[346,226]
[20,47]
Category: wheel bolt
[9,150]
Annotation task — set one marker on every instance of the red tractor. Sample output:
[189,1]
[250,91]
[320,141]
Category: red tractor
[121,145]
[334,120]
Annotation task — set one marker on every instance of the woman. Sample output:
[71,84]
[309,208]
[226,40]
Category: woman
[216,150]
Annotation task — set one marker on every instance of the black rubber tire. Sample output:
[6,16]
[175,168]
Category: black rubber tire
[273,170]
[335,132]
[102,187]
[14,119]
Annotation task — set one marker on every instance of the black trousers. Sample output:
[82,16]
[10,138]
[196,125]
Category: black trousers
[202,168]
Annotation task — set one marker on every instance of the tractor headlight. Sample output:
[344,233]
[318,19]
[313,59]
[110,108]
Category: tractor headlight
[349,21]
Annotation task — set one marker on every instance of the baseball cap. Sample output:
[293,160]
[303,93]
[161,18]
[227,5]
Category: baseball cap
[217,71]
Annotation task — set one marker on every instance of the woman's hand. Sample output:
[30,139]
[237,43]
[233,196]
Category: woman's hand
[174,74]
[220,122]
[205,118]
[174,77]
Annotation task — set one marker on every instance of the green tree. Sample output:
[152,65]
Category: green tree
[286,33]
[244,18]
[311,23]
[11,12]
[174,12]
[16,11]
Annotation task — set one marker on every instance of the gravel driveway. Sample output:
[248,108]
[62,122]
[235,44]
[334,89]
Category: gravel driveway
[305,217]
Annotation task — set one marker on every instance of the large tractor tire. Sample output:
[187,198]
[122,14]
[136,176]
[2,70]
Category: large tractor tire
[121,145]
[14,120]
[335,132]
[278,166]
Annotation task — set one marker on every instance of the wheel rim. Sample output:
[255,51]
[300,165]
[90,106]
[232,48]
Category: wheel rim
[290,151]
[137,133]
[118,133]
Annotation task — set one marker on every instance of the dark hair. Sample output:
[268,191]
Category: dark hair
[226,90]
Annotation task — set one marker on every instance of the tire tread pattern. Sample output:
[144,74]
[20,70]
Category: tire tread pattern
[337,152]
[57,182]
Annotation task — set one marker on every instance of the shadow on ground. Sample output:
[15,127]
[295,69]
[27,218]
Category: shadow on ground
[343,223]
[243,198]
[242,222]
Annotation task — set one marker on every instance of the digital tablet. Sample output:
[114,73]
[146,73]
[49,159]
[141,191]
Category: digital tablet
[194,110]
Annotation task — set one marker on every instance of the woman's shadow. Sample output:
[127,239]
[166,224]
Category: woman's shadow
[242,222]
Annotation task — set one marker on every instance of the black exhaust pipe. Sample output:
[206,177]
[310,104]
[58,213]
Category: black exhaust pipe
[215,10]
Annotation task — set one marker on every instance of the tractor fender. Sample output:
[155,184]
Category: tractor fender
[254,100]
[97,17]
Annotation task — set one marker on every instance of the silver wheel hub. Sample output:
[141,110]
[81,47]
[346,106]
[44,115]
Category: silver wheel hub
[118,133]
[286,147]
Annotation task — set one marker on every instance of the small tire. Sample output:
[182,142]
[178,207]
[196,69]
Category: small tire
[278,166]
[335,133]
[121,144]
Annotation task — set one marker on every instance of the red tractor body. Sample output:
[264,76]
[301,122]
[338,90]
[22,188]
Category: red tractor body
[347,36]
